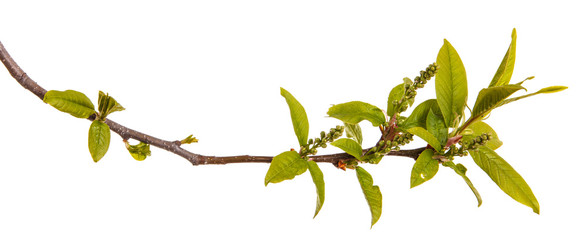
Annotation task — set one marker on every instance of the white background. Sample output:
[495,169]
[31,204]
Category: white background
[214,68]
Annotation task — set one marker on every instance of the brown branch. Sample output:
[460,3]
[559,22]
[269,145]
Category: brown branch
[175,146]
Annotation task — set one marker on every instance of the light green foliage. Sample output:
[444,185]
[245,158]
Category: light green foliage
[190,139]
[420,114]
[435,125]
[506,68]
[490,98]
[424,168]
[140,151]
[394,100]
[285,166]
[426,136]
[551,89]
[73,102]
[477,128]
[504,175]
[354,131]
[107,105]
[372,194]
[349,146]
[461,171]
[451,84]
[318,179]
[98,139]
[298,117]
[356,111]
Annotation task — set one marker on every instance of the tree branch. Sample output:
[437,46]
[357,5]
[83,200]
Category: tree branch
[175,146]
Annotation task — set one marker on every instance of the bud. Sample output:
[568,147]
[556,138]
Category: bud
[322,134]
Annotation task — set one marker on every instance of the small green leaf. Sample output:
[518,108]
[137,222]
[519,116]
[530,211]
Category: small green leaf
[356,111]
[424,168]
[298,117]
[349,146]
[490,98]
[506,68]
[420,114]
[140,151]
[393,101]
[427,136]
[504,175]
[435,125]
[354,131]
[477,128]
[189,140]
[451,84]
[461,171]
[372,194]
[107,105]
[98,139]
[285,166]
[318,179]
[551,89]
[73,102]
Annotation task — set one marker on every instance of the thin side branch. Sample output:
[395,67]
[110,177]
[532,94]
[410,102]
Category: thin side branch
[175,146]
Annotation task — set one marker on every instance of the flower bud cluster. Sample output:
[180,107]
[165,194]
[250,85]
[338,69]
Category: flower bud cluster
[474,143]
[312,147]
[419,82]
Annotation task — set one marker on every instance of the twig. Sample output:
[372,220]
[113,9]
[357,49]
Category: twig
[175,146]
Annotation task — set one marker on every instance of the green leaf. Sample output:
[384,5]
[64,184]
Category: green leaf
[73,102]
[107,105]
[140,151]
[420,114]
[189,140]
[505,177]
[435,125]
[427,136]
[298,117]
[354,131]
[424,168]
[477,128]
[490,98]
[318,179]
[285,166]
[98,139]
[393,101]
[451,84]
[506,68]
[551,89]
[372,194]
[356,111]
[349,146]
[461,171]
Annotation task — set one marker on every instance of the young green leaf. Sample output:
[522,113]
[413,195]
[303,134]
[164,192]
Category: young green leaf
[354,131]
[393,101]
[451,84]
[505,177]
[298,117]
[372,194]
[506,68]
[461,171]
[73,102]
[318,179]
[285,166]
[427,136]
[435,125]
[189,140]
[140,151]
[420,114]
[490,98]
[551,89]
[107,105]
[356,111]
[349,146]
[98,139]
[424,168]
[477,128]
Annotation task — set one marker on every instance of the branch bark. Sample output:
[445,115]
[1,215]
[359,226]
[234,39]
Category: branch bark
[175,146]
